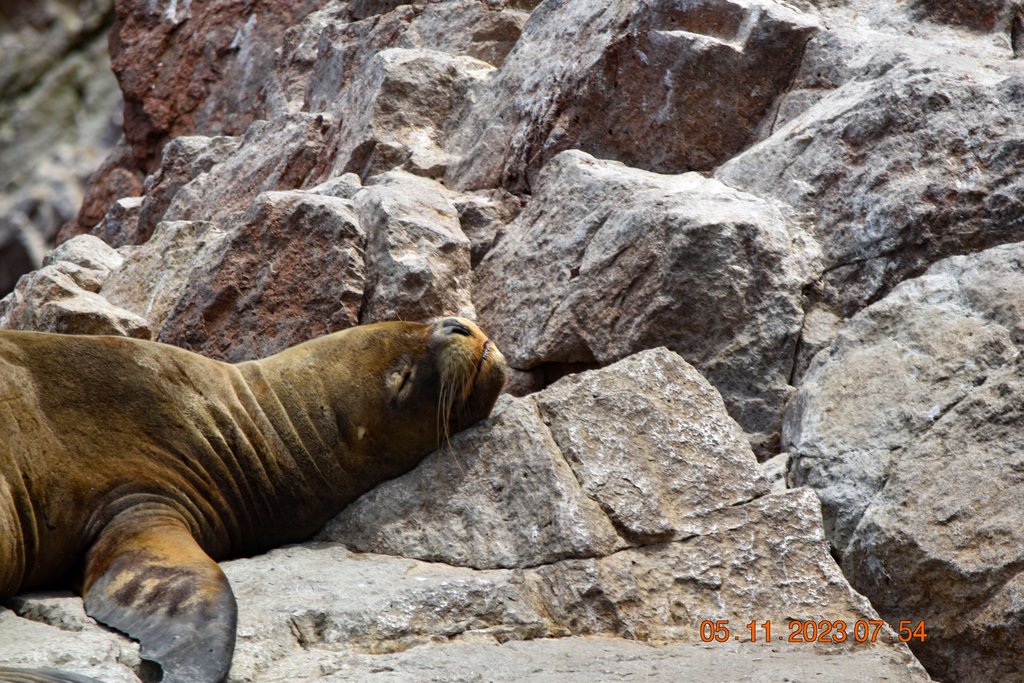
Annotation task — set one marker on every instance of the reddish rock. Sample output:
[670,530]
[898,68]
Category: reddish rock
[291,270]
[195,67]
[118,177]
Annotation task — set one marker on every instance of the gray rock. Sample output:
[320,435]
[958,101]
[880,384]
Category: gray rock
[906,428]
[899,145]
[417,257]
[397,117]
[894,370]
[280,154]
[62,296]
[183,160]
[667,87]
[584,660]
[606,260]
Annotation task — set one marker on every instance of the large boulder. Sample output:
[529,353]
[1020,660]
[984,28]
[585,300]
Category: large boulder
[606,260]
[663,86]
[906,427]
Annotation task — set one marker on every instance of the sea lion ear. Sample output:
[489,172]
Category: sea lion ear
[146,576]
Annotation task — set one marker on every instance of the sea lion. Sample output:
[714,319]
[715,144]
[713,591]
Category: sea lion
[131,467]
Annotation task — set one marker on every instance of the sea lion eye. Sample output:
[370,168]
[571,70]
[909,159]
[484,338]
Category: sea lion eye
[453,326]
[400,381]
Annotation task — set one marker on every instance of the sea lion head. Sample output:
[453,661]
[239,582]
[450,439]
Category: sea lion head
[458,378]
[416,384]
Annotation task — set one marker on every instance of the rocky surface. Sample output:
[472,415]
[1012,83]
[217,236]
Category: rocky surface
[60,113]
[906,428]
[814,202]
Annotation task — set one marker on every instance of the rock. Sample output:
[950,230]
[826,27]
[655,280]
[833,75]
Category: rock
[896,151]
[396,119]
[273,155]
[291,269]
[184,159]
[81,647]
[905,427]
[666,87]
[680,261]
[977,15]
[417,258]
[893,370]
[62,296]
[199,68]
[59,115]
[321,56]
[120,225]
[583,660]
[116,178]
[483,216]
[155,275]
[942,540]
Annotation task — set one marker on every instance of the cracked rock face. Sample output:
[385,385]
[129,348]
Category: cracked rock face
[631,260]
[906,428]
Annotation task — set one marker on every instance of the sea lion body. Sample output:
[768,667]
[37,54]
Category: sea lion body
[142,461]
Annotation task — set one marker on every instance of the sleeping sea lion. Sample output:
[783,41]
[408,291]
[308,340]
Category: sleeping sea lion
[130,467]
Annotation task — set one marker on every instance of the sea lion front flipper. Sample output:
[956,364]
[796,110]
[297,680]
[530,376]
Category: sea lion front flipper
[147,576]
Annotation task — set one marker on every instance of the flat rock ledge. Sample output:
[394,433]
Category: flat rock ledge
[593,530]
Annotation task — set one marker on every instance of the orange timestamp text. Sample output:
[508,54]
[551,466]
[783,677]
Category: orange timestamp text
[824,631]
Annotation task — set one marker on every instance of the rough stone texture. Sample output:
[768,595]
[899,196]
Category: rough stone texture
[59,115]
[907,428]
[53,631]
[584,660]
[946,531]
[396,118]
[62,296]
[897,150]
[631,260]
[894,370]
[184,159]
[320,56]
[664,86]
[280,154]
[417,258]
[291,269]
[154,275]
[198,68]
[120,225]
[573,493]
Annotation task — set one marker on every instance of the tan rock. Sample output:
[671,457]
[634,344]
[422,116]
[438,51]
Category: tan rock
[62,296]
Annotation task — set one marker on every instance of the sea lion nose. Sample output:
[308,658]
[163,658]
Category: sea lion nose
[453,326]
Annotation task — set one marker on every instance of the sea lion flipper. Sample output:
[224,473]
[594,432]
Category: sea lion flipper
[146,576]
[11,675]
